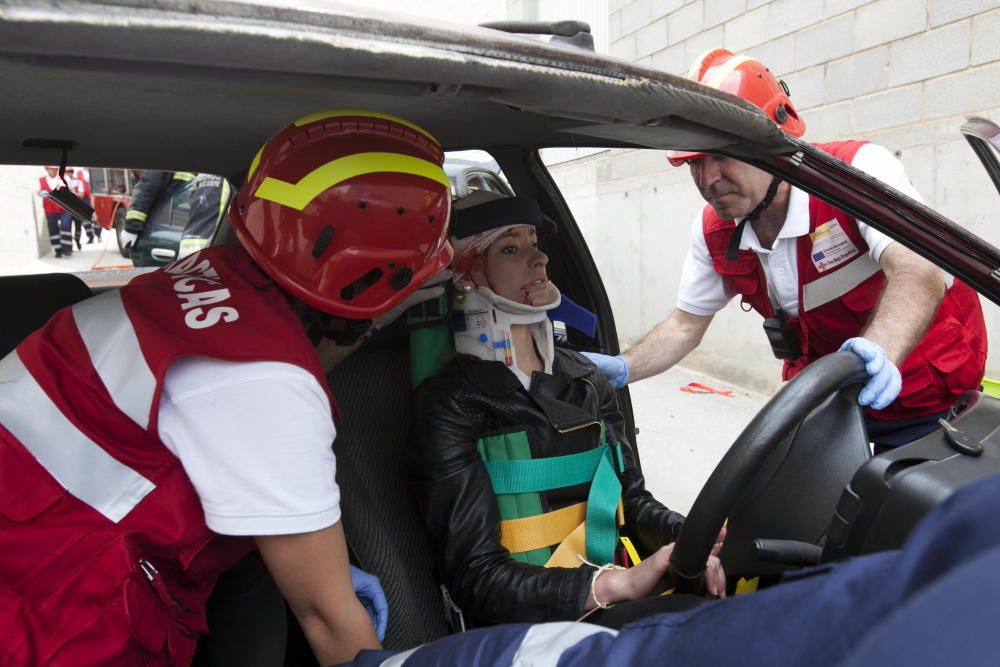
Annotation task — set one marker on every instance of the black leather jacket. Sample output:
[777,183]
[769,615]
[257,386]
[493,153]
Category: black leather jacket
[473,398]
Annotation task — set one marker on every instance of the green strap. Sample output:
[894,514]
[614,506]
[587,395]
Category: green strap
[534,475]
[515,477]
[506,447]
[602,505]
[431,342]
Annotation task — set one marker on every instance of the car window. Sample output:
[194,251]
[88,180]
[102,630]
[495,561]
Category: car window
[474,170]
[485,181]
[180,208]
[31,238]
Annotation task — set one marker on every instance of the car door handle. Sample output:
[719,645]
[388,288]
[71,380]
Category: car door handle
[163,253]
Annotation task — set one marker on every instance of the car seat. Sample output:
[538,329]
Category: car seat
[385,533]
[31,300]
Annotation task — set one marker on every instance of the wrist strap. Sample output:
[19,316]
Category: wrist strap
[599,570]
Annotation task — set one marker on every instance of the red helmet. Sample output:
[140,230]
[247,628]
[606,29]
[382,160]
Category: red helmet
[347,210]
[744,77]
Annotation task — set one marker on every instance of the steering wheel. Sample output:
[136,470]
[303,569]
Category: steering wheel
[792,404]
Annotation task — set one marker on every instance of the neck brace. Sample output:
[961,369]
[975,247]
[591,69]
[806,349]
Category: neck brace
[482,321]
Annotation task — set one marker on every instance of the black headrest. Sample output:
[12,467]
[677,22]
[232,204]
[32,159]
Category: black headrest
[29,301]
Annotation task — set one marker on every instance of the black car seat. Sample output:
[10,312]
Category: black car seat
[385,533]
[30,300]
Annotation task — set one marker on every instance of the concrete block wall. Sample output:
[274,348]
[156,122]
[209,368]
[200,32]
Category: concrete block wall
[903,73]
[22,220]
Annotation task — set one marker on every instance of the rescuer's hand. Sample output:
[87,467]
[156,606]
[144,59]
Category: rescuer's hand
[127,239]
[614,368]
[372,598]
[884,380]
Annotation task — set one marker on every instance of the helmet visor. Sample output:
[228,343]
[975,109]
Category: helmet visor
[680,158]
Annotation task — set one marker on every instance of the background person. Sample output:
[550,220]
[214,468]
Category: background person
[209,197]
[511,394]
[823,280]
[59,221]
[147,191]
[159,433]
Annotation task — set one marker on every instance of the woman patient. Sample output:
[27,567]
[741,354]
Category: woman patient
[526,477]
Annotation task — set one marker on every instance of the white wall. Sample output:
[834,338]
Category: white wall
[903,73]
[25,235]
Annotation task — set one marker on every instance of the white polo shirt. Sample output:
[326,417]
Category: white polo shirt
[255,439]
[702,291]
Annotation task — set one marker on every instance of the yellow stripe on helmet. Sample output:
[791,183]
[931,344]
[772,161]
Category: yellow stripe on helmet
[720,75]
[256,161]
[298,195]
[336,113]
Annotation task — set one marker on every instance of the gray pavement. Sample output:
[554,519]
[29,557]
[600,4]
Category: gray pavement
[98,256]
[682,436]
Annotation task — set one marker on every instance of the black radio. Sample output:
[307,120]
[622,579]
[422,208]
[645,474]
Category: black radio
[784,338]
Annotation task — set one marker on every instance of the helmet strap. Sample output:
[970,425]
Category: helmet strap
[733,250]
[319,325]
[772,190]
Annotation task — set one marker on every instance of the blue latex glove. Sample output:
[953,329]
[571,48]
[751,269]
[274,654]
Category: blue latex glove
[372,598]
[884,380]
[614,368]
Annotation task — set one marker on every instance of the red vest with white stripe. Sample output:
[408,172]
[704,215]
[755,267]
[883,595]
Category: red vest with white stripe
[105,557]
[48,205]
[838,295]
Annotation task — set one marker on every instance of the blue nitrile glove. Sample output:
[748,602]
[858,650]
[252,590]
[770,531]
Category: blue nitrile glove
[884,380]
[372,598]
[614,368]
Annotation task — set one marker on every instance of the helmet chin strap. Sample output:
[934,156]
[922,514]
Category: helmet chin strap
[733,250]
[482,321]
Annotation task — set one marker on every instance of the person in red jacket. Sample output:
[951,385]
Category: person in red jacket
[59,221]
[152,436]
[823,280]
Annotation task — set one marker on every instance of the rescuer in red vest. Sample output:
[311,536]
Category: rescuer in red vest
[60,222]
[823,280]
[152,436]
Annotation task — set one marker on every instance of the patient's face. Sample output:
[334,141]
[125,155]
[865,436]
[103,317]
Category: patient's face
[515,268]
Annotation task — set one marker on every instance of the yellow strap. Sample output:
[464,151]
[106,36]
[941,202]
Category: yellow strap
[630,548]
[543,530]
[566,553]
[744,586]
[298,195]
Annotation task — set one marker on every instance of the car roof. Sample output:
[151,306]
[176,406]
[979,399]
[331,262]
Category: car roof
[201,84]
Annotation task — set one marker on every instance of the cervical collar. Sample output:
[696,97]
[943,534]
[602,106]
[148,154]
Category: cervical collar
[481,325]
